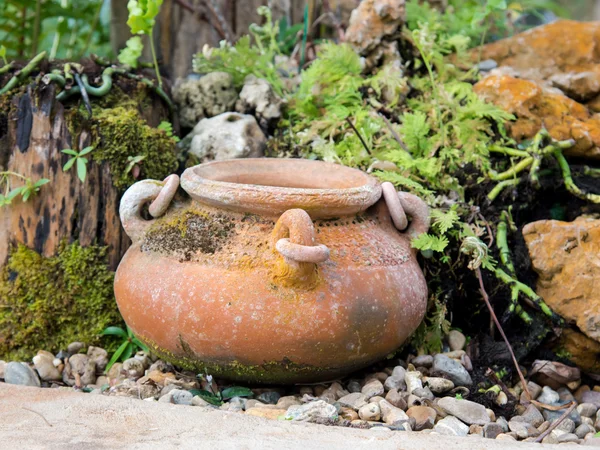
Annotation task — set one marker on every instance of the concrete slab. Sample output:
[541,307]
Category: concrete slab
[35,418]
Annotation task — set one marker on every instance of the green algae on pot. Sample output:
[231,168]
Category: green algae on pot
[46,303]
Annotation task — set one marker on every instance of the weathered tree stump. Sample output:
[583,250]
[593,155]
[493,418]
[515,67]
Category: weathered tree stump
[34,128]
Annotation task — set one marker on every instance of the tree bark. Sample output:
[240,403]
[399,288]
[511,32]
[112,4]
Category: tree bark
[32,136]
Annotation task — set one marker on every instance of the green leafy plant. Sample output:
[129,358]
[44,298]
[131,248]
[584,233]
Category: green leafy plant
[133,162]
[127,348]
[78,159]
[167,127]
[28,189]
[3,54]
[132,52]
[217,398]
[142,17]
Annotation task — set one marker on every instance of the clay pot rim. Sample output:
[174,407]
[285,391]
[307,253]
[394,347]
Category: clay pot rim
[322,189]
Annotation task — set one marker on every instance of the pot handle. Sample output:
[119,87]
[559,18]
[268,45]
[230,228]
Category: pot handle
[294,239]
[402,203]
[160,193]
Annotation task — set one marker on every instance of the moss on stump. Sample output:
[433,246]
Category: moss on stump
[46,303]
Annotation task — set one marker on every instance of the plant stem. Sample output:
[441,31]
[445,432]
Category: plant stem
[495,192]
[511,173]
[31,65]
[502,245]
[568,179]
[154,59]
[486,299]
[36,27]
[92,29]
[557,422]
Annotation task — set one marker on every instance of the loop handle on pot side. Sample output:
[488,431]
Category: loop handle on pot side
[402,203]
[294,238]
[160,193]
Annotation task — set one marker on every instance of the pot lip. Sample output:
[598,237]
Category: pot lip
[358,191]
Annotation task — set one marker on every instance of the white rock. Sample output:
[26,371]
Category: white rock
[226,136]
[370,411]
[413,381]
[451,426]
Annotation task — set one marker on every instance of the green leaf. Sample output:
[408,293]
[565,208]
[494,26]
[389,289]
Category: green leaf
[81,168]
[69,151]
[41,182]
[12,194]
[207,396]
[116,355]
[142,14]
[128,351]
[132,52]
[86,150]
[236,391]
[426,241]
[140,344]
[443,221]
[69,164]
[26,192]
[415,131]
[114,331]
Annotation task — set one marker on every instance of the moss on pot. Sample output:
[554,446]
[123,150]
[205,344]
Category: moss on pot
[46,303]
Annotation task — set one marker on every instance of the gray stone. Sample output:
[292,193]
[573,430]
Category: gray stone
[372,388]
[370,411]
[548,396]
[451,426]
[582,430]
[438,385]
[99,357]
[566,425]
[356,400]
[492,429]
[568,437]
[144,358]
[237,404]
[311,411]
[550,439]
[486,65]
[334,392]
[287,401]
[391,414]
[134,368]
[451,369]
[353,386]
[226,136]
[592,397]
[208,96]
[503,423]
[551,416]
[523,429]
[424,393]
[587,409]
[259,98]
[394,382]
[533,416]
[20,373]
[456,340]
[181,397]
[75,347]
[413,381]
[44,364]
[396,399]
[83,366]
[269,397]
[399,372]
[423,361]
[467,411]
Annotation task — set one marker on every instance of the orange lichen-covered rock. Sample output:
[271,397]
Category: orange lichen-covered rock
[373,21]
[535,106]
[580,350]
[566,256]
[566,53]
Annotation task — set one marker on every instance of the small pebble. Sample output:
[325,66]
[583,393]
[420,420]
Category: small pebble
[587,409]
[370,411]
[269,397]
[21,374]
[372,388]
[451,426]
[75,347]
[456,340]
[423,361]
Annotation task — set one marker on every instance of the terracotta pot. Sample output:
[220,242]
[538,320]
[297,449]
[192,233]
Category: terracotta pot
[276,270]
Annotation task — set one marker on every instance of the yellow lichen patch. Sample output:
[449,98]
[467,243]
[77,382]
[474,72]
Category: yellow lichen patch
[534,107]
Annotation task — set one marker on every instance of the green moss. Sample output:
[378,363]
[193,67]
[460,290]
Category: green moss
[46,303]
[121,132]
